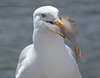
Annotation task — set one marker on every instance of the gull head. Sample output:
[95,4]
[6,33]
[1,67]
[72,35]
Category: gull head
[47,14]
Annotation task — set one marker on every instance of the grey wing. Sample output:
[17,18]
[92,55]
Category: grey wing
[22,57]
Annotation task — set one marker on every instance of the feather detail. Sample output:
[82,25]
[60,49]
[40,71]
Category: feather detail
[71,34]
[71,25]
[70,21]
[75,31]
[77,49]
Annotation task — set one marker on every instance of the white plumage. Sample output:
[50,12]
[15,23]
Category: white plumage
[48,57]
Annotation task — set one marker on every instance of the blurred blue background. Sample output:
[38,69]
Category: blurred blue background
[16,31]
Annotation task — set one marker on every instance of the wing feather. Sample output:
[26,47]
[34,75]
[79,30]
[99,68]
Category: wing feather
[22,57]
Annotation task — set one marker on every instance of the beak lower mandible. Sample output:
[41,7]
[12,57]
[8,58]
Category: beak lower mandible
[60,24]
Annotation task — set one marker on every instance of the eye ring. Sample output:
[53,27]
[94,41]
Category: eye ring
[43,15]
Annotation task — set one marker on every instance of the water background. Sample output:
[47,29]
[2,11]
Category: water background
[16,31]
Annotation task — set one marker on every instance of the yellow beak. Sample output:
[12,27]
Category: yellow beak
[59,23]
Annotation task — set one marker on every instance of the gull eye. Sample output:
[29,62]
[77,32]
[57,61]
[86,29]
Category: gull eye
[43,15]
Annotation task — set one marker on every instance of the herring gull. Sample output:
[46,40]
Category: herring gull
[49,56]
